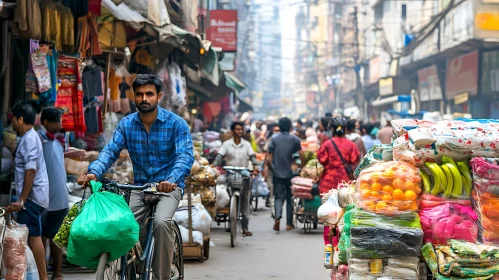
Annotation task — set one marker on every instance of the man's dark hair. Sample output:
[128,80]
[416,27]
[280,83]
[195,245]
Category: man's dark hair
[235,124]
[368,127]
[299,122]
[326,123]
[285,124]
[351,125]
[329,115]
[51,114]
[147,79]
[25,110]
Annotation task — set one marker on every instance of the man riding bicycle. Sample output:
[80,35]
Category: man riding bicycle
[160,147]
[238,153]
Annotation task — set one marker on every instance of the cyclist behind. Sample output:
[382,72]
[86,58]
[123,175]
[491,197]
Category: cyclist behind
[160,147]
[238,152]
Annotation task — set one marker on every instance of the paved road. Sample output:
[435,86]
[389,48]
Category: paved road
[289,255]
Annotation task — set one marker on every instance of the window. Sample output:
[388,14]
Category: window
[404,11]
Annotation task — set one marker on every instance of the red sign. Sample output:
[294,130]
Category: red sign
[462,75]
[222,29]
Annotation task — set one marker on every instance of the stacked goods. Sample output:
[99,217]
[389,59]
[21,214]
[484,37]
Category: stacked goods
[389,188]
[302,187]
[393,268]
[445,219]
[310,146]
[450,179]
[486,197]
[312,170]
[461,260]
[377,153]
[204,178]
[422,141]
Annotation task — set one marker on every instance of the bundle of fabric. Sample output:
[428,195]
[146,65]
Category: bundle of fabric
[302,187]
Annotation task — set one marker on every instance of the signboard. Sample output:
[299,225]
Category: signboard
[222,29]
[385,86]
[374,69]
[429,84]
[490,72]
[462,75]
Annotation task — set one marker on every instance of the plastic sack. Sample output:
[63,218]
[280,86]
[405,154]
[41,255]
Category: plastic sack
[32,269]
[421,137]
[300,181]
[402,126]
[259,187]
[206,175]
[14,251]
[312,170]
[378,236]
[223,197]
[461,259]
[61,239]
[487,205]
[392,268]
[330,212]
[485,175]
[201,219]
[450,220]
[339,272]
[106,224]
[389,188]
[197,236]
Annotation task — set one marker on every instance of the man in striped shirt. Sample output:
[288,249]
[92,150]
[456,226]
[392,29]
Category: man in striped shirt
[160,147]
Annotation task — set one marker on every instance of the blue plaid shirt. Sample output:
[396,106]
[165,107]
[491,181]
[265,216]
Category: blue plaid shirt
[165,154]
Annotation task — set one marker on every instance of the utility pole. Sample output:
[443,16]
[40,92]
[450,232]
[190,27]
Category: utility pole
[356,53]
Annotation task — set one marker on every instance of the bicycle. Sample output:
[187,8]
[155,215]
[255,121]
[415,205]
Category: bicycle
[138,261]
[235,180]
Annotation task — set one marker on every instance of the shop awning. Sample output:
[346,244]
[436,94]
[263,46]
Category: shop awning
[234,83]
[243,106]
[389,100]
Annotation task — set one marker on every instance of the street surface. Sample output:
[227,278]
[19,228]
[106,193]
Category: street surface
[291,255]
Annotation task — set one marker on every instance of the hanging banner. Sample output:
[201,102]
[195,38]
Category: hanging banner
[429,84]
[222,29]
[462,75]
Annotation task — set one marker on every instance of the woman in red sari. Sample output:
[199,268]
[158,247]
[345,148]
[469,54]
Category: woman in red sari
[334,170]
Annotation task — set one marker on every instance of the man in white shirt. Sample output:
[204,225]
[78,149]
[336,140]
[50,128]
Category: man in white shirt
[238,152]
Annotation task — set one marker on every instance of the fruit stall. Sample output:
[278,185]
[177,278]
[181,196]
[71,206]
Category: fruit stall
[425,206]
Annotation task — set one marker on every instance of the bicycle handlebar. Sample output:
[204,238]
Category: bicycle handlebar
[109,183]
[235,168]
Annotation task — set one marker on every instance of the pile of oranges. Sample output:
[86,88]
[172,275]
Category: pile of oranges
[389,188]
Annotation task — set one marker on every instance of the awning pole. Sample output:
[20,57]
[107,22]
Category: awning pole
[106,84]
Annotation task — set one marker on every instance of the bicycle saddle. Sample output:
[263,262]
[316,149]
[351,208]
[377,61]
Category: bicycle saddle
[150,199]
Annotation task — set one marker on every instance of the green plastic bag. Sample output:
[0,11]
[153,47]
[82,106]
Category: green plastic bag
[106,224]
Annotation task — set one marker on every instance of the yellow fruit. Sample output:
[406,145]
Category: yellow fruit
[402,205]
[368,205]
[411,195]
[365,193]
[414,206]
[374,194]
[387,189]
[390,173]
[413,187]
[386,198]
[397,183]
[376,187]
[364,186]
[381,206]
[398,194]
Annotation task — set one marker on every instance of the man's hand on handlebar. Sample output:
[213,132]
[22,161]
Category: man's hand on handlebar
[83,180]
[166,187]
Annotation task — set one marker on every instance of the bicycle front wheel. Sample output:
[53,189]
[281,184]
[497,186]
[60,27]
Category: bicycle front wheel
[233,216]
[178,255]
[108,270]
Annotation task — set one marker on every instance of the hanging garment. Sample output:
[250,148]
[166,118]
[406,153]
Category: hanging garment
[92,82]
[29,19]
[67,29]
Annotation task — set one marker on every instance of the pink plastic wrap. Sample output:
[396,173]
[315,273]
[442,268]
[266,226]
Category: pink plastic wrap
[302,181]
[447,219]
[485,168]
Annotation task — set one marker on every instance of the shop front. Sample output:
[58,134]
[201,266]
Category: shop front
[394,94]
[489,82]
[430,91]
[461,85]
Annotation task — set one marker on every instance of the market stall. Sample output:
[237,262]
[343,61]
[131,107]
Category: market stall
[425,205]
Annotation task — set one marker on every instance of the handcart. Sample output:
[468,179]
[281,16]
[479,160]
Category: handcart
[190,249]
[305,212]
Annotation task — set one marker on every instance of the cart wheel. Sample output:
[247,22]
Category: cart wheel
[202,257]
[206,249]
[307,227]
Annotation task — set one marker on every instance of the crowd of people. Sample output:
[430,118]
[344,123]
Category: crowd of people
[343,142]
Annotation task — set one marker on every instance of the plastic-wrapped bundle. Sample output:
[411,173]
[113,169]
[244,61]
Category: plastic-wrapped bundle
[487,205]
[377,153]
[378,236]
[461,259]
[448,219]
[485,175]
[313,169]
[392,268]
[14,255]
[330,212]
[389,188]
[344,242]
